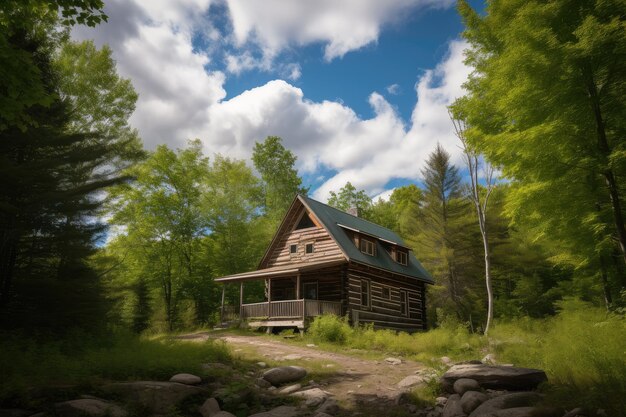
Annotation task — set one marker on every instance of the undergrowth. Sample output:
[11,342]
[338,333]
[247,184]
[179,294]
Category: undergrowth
[29,365]
[581,349]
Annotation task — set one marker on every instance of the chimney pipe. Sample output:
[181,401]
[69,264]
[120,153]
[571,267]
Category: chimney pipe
[353,211]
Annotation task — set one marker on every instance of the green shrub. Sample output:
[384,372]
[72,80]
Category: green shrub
[330,328]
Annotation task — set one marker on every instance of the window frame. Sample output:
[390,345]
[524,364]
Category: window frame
[363,245]
[293,249]
[307,246]
[404,305]
[382,292]
[368,285]
[400,256]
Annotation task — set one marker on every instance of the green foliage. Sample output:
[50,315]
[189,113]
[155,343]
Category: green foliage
[30,364]
[330,328]
[348,197]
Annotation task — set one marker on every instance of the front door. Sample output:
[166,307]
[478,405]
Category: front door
[310,290]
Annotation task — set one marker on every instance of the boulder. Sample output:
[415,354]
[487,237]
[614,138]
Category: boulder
[471,400]
[453,407]
[441,401]
[329,406]
[282,411]
[88,407]
[528,412]
[502,402]
[496,377]
[187,379]
[313,396]
[156,396]
[462,385]
[322,415]
[289,389]
[284,374]
[393,361]
[260,382]
[410,381]
[210,408]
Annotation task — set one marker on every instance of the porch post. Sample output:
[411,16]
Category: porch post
[241,299]
[298,287]
[269,297]
[222,309]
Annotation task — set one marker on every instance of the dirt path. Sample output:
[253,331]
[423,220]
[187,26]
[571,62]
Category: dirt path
[353,381]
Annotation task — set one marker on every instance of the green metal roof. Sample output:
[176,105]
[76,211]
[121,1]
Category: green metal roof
[333,219]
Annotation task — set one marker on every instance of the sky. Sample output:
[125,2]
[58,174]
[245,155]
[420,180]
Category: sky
[357,89]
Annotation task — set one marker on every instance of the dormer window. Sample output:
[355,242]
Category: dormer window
[402,258]
[367,247]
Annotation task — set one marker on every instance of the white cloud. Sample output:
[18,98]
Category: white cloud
[181,99]
[342,26]
[393,89]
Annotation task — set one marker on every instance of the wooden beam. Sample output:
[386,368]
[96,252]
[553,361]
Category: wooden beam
[298,287]
[240,295]
[222,309]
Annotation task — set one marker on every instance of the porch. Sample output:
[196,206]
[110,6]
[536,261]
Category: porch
[292,295]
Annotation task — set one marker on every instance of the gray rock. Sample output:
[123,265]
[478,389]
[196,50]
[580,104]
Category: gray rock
[322,415]
[471,400]
[576,412]
[496,377]
[462,385]
[410,381]
[209,408]
[261,364]
[187,379]
[156,396]
[88,407]
[441,401]
[284,374]
[260,382]
[527,412]
[313,396]
[393,361]
[513,400]
[329,406]
[292,357]
[289,389]
[223,414]
[453,407]
[282,411]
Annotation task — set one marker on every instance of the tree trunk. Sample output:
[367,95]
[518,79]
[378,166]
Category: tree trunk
[608,299]
[487,276]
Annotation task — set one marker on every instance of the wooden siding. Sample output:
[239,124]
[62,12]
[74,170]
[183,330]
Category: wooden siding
[324,247]
[386,312]
[328,285]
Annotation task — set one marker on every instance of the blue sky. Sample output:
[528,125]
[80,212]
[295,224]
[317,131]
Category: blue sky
[357,89]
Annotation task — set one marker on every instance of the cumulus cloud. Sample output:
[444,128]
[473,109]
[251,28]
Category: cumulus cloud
[393,89]
[182,98]
[342,26]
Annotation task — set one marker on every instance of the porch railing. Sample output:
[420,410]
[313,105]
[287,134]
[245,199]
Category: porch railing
[290,309]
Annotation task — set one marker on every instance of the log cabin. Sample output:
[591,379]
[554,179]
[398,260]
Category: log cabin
[324,260]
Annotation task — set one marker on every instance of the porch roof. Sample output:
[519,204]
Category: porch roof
[277,271]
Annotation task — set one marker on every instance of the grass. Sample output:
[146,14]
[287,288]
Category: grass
[582,349]
[40,367]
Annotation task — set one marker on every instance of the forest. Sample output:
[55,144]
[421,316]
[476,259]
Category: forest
[101,237]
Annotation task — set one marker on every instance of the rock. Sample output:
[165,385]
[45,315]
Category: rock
[156,396]
[412,408]
[290,389]
[410,381]
[489,359]
[282,411]
[441,401]
[403,398]
[446,360]
[292,357]
[329,406]
[393,361]
[453,407]
[311,345]
[496,377]
[576,412]
[284,374]
[513,400]
[88,407]
[526,412]
[223,414]
[209,408]
[187,379]
[260,382]
[462,385]
[261,364]
[471,400]
[322,415]
[313,396]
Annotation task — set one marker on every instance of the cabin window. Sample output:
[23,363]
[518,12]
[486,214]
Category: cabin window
[402,257]
[293,249]
[365,293]
[367,247]
[403,303]
[305,222]
[386,293]
[308,248]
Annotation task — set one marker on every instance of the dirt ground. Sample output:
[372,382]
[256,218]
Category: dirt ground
[356,383]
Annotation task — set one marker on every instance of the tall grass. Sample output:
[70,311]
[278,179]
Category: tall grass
[582,349]
[29,365]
